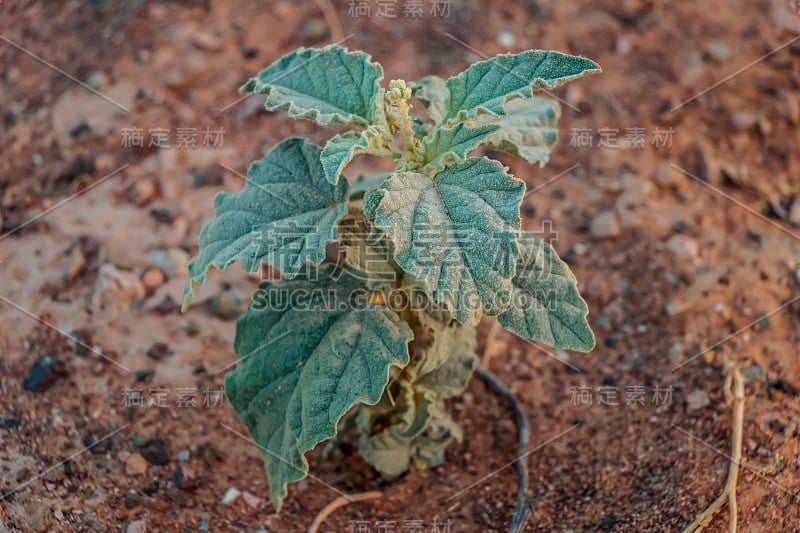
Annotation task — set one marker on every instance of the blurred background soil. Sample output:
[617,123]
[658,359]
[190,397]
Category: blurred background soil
[685,243]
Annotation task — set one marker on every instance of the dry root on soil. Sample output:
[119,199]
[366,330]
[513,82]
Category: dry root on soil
[734,396]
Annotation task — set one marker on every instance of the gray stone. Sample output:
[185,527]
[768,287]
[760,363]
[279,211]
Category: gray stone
[604,225]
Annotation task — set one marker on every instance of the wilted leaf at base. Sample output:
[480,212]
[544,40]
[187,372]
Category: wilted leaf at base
[419,426]
[303,366]
[447,363]
[546,306]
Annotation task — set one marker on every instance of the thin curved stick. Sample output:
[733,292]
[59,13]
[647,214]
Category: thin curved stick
[341,501]
[522,510]
[734,395]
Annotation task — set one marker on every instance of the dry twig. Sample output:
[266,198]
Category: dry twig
[341,501]
[734,395]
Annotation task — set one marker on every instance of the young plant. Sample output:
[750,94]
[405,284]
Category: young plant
[384,332]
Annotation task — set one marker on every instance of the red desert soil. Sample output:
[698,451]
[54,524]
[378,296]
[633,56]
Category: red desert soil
[686,250]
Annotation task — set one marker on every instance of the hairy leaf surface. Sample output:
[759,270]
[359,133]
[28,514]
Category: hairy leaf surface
[284,216]
[447,145]
[528,130]
[485,86]
[456,233]
[546,305]
[303,366]
[342,148]
[433,93]
[329,84]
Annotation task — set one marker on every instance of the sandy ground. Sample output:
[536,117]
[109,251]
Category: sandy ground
[673,195]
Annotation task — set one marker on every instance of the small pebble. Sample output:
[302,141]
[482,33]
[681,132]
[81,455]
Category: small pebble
[506,39]
[754,374]
[185,478]
[153,277]
[173,261]
[228,304]
[9,423]
[144,374]
[719,51]
[158,351]
[132,499]
[155,452]
[604,225]
[683,247]
[230,496]
[744,120]
[97,79]
[205,178]
[697,399]
[76,265]
[183,455]
[251,500]
[43,374]
[144,192]
[161,505]
[135,465]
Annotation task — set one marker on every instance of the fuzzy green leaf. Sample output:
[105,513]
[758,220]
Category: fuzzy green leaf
[456,234]
[433,94]
[445,146]
[485,86]
[546,306]
[342,148]
[528,130]
[329,84]
[303,366]
[284,216]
